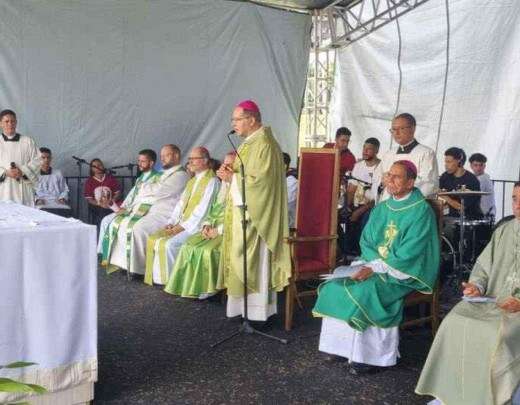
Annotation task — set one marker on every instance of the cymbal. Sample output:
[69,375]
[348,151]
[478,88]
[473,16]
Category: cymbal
[465,193]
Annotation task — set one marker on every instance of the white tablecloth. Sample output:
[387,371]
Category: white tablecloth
[48,298]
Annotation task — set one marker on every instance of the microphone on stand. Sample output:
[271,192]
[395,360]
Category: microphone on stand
[79,160]
[233,132]
[13,166]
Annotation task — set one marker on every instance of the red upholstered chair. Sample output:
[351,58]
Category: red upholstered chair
[313,242]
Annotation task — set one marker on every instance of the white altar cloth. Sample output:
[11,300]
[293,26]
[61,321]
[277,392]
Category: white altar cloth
[48,302]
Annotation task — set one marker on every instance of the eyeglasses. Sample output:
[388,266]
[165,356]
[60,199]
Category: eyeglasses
[194,158]
[239,119]
[394,130]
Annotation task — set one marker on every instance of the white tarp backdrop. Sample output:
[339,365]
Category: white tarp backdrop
[482,102]
[98,78]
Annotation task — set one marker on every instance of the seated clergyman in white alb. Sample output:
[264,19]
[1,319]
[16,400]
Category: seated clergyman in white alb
[362,309]
[129,249]
[185,220]
[195,272]
[135,206]
[475,357]
[52,192]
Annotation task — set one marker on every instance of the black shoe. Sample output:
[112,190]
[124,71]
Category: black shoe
[331,358]
[137,277]
[359,369]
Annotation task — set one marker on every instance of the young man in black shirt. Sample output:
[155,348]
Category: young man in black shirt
[457,178]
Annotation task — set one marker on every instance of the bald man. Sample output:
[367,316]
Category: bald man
[185,220]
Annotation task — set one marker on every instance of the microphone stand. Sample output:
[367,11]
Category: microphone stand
[79,163]
[245,327]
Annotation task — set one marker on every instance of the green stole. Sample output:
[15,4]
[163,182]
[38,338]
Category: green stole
[403,234]
[191,198]
[134,215]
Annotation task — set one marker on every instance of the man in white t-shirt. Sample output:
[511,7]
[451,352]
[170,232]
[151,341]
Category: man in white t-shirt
[477,162]
[359,195]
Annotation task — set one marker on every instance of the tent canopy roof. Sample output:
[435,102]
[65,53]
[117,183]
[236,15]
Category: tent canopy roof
[300,5]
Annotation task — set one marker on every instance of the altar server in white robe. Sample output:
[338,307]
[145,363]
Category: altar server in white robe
[135,206]
[170,187]
[52,192]
[292,190]
[403,132]
[19,162]
[185,220]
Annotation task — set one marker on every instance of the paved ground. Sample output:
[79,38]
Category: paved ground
[155,349]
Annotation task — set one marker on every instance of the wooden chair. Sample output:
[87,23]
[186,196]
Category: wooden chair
[416,298]
[313,241]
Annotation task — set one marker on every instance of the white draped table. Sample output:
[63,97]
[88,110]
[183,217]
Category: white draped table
[48,303]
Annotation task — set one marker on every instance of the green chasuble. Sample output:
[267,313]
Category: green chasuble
[133,213]
[196,268]
[266,200]
[475,357]
[403,234]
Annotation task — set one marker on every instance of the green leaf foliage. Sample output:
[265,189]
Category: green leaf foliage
[19,364]
[8,385]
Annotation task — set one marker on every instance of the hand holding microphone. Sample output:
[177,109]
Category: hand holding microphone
[14,172]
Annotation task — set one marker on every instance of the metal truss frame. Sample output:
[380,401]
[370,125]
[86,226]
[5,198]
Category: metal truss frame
[314,121]
[359,18]
[338,25]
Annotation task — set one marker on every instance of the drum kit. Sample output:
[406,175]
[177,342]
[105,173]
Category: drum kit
[468,234]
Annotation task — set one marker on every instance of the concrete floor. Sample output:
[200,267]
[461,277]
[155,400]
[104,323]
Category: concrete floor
[155,349]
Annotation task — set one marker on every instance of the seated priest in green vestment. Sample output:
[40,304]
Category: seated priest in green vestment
[135,206]
[362,304]
[268,256]
[195,272]
[475,357]
[185,220]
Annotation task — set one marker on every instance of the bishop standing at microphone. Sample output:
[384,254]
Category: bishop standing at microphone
[268,257]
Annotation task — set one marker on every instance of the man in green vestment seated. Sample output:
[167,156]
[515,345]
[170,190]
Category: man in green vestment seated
[268,257]
[135,206]
[185,220]
[475,357]
[196,268]
[362,304]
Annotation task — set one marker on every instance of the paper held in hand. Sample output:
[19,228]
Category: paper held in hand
[342,272]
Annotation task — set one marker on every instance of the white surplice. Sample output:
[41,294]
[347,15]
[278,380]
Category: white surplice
[51,188]
[292,193]
[21,151]
[262,304]
[191,225]
[427,171]
[167,194]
